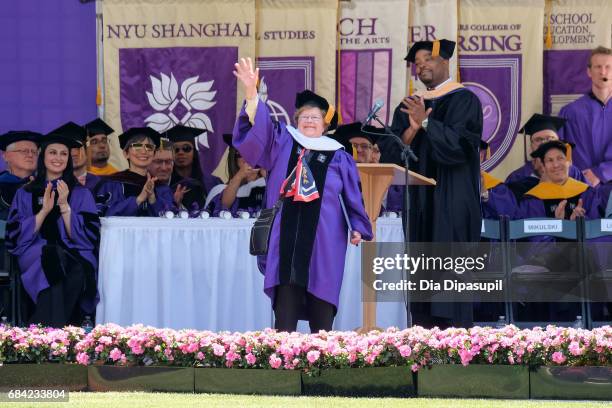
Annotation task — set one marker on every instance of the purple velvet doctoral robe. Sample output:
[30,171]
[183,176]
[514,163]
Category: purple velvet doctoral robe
[589,127]
[249,198]
[500,201]
[123,188]
[27,245]
[269,145]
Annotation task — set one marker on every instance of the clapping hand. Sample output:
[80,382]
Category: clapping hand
[48,199]
[247,76]
[579,211]
[179,194]
[415,108]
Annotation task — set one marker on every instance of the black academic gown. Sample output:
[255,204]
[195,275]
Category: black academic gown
[448,152]
[449,212]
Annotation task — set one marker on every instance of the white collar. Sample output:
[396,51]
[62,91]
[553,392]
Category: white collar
[448,80]
[322,144]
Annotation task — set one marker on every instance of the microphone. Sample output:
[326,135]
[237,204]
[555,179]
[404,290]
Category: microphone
[377,105]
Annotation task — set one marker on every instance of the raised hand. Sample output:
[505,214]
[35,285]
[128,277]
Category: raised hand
[579,211]
[48,199]
[560,210]
[247,76]
[62,193]
[179,194]
[414,107]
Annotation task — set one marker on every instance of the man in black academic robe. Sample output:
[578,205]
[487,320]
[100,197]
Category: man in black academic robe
[443,125]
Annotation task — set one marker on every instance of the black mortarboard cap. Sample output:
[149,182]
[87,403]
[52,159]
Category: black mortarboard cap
[443,48]
[60,138]
[139,131]
[553,144]
[180,133]
[97,127]
[542,122]
[308,97]
[18,135]
[72,131]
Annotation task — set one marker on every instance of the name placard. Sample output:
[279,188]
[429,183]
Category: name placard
[606,224]
[540,226]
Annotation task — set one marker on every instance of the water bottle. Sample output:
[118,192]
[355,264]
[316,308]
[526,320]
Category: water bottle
[204,215]
[578,323]
[226,215]
[168,214]
[183,214]
[87,325]
[4,321]
[501,322]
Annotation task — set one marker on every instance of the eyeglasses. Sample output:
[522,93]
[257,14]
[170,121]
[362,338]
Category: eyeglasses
[312,118]
[362,146]
[375,150]
[160,162]
[143,147]
[185,149]
[25,152]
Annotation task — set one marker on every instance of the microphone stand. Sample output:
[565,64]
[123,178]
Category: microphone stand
[407,155]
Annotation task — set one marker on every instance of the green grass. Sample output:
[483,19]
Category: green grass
[140,399]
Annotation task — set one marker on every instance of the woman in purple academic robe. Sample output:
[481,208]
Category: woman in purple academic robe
[54,231]
[305,261]
[245,190]
[133,192]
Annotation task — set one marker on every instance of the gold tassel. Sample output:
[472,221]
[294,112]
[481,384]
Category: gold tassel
[548,12]
[98,96]
[457,53]
[410,84]
[338,71]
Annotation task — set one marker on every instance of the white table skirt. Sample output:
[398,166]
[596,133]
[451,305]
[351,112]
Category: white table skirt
[198,274]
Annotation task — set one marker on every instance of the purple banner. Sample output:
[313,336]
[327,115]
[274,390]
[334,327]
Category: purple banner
[193,86]
[281,78]
[496,80]
[47,64]
[565,78]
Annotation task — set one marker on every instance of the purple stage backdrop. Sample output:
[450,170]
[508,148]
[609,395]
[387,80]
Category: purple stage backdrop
[47,64]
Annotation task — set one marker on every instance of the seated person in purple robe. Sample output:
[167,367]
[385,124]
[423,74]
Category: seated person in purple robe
[557,195]
[134,192]
[589,123]
[315,179]
[245,189]
[20,154]
[54,231]
[496,199]
[540,129]
[187,176]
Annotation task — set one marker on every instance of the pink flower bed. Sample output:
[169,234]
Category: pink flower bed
[416,347]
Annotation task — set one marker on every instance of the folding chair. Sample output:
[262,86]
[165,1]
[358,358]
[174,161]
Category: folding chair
[598,229]
[496,230]
[527,228]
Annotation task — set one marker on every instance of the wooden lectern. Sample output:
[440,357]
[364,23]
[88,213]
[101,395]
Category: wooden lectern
[375,181]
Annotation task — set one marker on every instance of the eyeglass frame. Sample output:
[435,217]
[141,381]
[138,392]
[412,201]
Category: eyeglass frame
[148,147]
